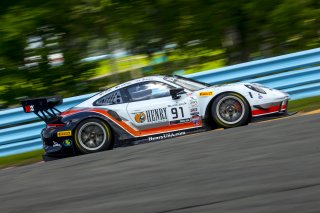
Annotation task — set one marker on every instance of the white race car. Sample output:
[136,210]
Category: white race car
[148,109]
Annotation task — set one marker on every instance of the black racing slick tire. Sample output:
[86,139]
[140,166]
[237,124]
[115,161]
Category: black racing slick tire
[230,110]
[92,135]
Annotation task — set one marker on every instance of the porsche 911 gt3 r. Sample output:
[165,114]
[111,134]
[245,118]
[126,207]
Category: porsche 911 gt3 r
[149,109]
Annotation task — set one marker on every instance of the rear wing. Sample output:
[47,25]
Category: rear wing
[43,107]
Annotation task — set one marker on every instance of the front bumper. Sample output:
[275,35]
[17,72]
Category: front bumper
[279,106]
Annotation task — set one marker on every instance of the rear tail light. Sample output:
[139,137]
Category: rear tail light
[55,125]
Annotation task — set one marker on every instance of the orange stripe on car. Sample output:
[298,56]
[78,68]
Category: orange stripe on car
[147,132]
[132,130]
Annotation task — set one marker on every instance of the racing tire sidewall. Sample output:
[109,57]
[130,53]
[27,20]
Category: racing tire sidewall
[245,114]
[106,142]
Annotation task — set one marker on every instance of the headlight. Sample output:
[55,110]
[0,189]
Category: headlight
[256,88]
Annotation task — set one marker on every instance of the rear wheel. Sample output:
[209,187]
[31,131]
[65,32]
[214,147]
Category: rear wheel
[230,110]
[92,135]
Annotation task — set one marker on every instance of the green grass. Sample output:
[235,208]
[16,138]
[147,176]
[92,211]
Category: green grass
[21,159]
[305,105]
[190,61]
[183,55]
[205,66]
[121,64]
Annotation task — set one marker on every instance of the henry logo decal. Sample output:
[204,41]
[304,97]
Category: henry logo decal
[152,115]
[140,117]
[156,115]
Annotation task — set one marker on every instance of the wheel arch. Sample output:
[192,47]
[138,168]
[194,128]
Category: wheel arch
[208,115]
[106,121]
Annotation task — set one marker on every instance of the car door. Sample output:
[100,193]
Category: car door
[151,107]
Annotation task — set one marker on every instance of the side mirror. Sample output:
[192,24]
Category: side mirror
[176,93]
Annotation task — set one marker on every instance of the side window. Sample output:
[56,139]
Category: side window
[109,99]
[148,90]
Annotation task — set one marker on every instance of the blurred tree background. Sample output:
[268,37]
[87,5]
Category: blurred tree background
[45,46]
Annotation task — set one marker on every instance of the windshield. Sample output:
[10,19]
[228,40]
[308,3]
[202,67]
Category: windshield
[189,84]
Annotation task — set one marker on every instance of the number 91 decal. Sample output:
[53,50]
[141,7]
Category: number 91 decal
[177,112]
[179,115]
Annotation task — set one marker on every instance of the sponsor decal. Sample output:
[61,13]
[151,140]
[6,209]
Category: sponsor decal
[29,108]
[194,113]
[55,144]
[196,120]
[260,96]
[156,115]
[153,115]
[49,149]
[206,93]
[64,133]
[193,109]
[194,103]
[67,142]
[180,121]
[193,98]
[165,136]
[140,117]
[177,104]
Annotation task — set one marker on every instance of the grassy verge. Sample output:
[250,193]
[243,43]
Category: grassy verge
[21,159]
[305,105]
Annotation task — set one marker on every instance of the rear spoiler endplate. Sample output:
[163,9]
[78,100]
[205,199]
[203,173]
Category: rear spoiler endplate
[44,107]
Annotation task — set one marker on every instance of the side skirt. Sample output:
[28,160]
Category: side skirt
[159,137]
[272,116]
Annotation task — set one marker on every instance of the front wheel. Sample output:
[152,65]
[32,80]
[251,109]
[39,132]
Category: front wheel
[92,135]
[230,110]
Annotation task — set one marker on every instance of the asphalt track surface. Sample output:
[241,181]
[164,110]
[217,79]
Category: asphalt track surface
[264,167]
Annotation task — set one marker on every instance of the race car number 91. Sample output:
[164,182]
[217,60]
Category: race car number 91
[180,112]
